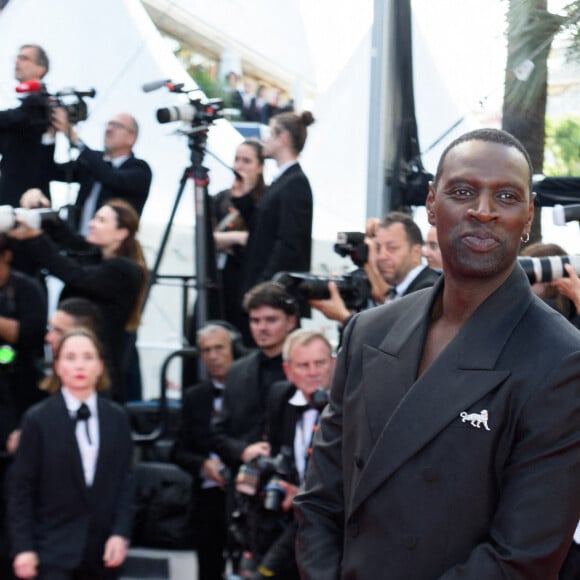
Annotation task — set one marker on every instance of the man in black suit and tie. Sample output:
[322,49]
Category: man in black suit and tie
[193,449]
[103,175]
[26,147]
[292,415]
[450,446]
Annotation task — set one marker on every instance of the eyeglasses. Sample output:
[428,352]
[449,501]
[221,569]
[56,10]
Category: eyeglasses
[117,125]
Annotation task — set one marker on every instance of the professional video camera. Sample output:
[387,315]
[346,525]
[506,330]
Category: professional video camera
[548,268]
[352,244]
[354,288]
[194,112]
[34,218]
[39,101]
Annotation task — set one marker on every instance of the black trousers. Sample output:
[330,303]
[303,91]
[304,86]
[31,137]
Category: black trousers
[210,531]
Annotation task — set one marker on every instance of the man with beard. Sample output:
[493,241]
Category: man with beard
[450,447]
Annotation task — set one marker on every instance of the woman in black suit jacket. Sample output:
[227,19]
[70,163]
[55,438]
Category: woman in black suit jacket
[70,491]
[281,225]
[107,267]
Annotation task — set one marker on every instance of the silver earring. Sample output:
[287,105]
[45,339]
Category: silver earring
[525,238]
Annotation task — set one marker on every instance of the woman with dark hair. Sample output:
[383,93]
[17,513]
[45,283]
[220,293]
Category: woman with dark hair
[106,267]
[71,484]
[281,226]
[231,230]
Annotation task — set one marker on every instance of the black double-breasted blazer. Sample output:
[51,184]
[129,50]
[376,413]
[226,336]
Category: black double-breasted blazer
[471,470]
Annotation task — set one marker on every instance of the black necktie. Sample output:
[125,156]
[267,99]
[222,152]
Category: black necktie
[83,414]
[391,293]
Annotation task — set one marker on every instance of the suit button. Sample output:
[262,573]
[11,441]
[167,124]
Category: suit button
[430,474]
[409,541]
[359,462]
[354,529]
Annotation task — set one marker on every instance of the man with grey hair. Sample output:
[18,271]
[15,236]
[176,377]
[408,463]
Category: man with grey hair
[193,449]
[292,415]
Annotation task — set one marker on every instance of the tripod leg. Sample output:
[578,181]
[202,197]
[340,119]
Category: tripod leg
[155,270]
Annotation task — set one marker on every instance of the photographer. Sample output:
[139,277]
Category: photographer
[293,410]
[103,175]
[394,267]
[27,154]
[107,267]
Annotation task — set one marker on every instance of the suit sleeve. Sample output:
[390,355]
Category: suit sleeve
[106,280]
[130,181]
[190,445]
[319,507]
[295,228]
[124,505]
[539,504]
[230,449]
[23,481]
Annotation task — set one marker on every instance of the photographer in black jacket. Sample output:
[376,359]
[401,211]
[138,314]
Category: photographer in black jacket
[292,415]
[26,159]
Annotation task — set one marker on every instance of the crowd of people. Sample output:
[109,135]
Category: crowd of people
[441,441]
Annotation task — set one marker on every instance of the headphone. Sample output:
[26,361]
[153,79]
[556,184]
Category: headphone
[238,347]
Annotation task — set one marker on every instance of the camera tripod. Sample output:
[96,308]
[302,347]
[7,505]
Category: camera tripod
[206,275]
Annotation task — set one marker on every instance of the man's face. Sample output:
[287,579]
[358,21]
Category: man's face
[274,142]
[395,256]
[26,67]
[58,326]
[269,327]
[310,367]
[119,135]
[216,353]
[481,207]
[431,250]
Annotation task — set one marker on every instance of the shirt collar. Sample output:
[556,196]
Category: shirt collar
[298,399]
[73,404]
[283,168]
[402,287]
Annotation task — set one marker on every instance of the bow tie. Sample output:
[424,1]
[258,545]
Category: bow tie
[301,408]
[83,414]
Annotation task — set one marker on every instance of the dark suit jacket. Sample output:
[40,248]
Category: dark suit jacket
[398,481]
[51,509]
[194,439]
[426,278]
[243,415]
[130,181]
[25,162]
[280,228]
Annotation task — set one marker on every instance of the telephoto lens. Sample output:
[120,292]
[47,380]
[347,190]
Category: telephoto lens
[274,493]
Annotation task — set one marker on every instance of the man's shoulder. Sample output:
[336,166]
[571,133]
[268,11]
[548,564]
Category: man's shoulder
[426,278]
[245,363]
[133,161]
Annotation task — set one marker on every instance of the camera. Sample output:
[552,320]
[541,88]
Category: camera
[352,244]
[354,288]
[548,268]
[194,112]
[252,473]
[34,218]
[72,102]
